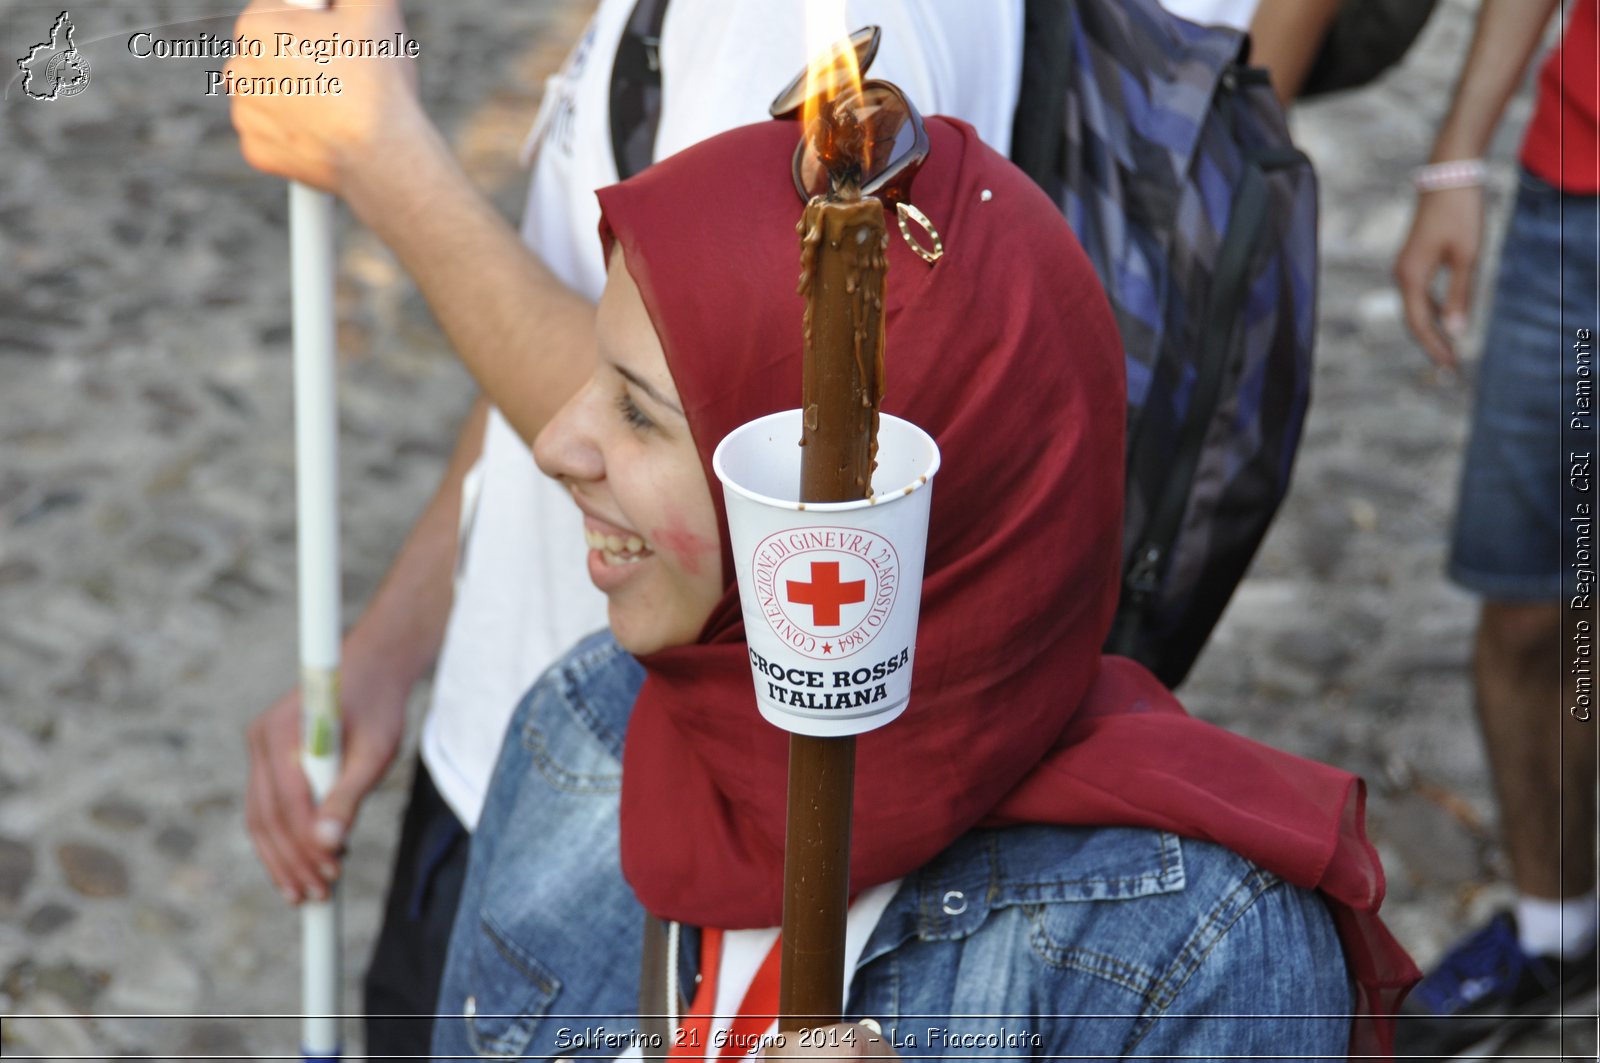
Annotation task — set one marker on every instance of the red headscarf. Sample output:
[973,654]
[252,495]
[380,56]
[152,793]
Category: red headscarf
[1006,352]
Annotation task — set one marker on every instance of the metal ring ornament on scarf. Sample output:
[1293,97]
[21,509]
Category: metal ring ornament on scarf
[906,210]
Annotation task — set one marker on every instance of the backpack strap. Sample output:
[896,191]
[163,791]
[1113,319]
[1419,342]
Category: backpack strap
[1038,129]
[636,89]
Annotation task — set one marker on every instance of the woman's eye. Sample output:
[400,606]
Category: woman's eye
[631,413]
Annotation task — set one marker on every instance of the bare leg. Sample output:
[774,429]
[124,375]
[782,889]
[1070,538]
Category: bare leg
[1542,759]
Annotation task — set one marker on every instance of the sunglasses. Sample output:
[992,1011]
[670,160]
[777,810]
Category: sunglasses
[896,139]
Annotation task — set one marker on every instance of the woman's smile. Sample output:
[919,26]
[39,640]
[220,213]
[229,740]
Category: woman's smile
[615,553]
[616,546]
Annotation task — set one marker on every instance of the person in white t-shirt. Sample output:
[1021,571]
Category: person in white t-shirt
[490,584]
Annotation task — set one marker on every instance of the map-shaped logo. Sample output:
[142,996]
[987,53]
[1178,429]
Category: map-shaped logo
[55,69]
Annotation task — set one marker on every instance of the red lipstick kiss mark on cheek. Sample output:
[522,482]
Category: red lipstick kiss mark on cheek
[690,549]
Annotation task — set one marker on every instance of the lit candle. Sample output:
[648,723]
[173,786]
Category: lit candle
[843,255]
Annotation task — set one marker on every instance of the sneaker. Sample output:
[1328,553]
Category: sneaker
[1484,991]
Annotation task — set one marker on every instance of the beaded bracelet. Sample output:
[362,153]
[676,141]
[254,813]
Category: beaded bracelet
[1458,173]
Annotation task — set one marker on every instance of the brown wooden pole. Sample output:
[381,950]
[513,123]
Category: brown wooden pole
[843,256]
[816,872]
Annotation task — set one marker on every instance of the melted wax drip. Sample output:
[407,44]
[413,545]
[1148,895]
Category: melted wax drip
[866,261]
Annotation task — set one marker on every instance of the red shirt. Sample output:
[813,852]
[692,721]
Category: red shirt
[1563,141]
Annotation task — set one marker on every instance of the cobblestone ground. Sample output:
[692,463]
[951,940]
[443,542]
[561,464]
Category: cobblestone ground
[146,537]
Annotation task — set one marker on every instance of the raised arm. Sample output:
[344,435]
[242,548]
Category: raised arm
[525,337]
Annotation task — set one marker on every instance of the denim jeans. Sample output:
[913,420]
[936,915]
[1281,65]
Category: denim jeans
[1024,942]
[1521,533]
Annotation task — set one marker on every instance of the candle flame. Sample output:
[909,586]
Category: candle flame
[829,114]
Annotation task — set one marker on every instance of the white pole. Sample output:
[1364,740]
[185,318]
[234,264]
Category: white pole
[316,434]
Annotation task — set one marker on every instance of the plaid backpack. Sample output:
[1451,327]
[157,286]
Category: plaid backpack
[1173,164]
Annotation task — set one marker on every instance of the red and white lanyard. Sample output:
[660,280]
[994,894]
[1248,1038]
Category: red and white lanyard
[756,1016]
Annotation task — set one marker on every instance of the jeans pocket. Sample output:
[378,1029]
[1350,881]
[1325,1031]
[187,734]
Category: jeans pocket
[1531,184]
[570,753]
[1107,920]
[510,991]
[1536,212]
[1066,935]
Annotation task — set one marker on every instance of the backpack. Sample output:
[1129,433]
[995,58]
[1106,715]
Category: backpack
[1172,162]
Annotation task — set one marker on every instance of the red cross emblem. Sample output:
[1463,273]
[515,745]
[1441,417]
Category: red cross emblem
[825,594]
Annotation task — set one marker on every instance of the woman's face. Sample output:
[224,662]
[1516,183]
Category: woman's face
[622,447]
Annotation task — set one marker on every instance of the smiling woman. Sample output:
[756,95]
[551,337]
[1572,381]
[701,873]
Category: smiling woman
[1044,832]
[624,449]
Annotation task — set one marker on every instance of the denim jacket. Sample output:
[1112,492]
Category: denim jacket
[1024,942]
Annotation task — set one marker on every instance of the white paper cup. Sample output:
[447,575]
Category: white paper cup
[830,591]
